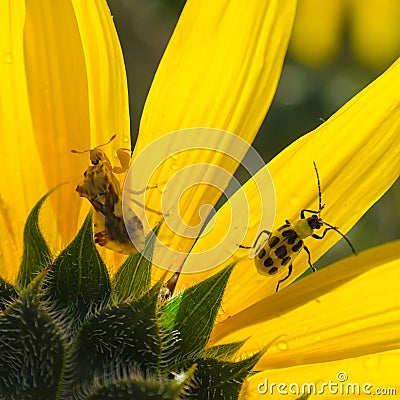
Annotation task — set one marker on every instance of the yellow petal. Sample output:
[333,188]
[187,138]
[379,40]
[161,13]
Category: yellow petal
[350,309]
[107,84]
[357,152]
[374,31]
[359,377]
[22,181]
[317,32]
[220,70]
[56,96]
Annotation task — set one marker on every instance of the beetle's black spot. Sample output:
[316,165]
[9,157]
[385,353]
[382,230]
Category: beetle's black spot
[284,227]
[297,246]
[273,241]
[262,253]
[281,251]
[273,271]
[290,235]
[285,260]
[268,262]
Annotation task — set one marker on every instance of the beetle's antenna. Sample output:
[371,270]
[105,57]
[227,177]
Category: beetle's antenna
[342,235]
[319,188]
[101,145]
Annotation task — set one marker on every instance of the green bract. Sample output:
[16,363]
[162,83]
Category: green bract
[68,331]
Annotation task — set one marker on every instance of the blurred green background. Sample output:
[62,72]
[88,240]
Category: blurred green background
[310,89]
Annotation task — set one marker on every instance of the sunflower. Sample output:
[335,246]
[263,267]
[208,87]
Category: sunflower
[65,88]
[54,98]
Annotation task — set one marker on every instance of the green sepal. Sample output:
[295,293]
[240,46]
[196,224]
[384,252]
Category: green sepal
[36,253]
[192,313]
[31,349]
[79,281]
[133,278]
[7,293]
[215,379]
[222,352]
[117,339]
[304,397]
[143,389]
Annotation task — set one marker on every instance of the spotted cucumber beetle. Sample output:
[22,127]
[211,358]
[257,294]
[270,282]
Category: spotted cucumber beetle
[103,189]
[284,244]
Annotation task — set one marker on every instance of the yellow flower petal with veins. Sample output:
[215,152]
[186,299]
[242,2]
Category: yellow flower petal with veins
[350,309]
[63,88]
[220,70]
[377,370]
[358,157]
[107,86]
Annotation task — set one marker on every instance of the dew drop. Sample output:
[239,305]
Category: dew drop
[175,156]
[174,166]
[171,212]
[161,186]
[220,312]
[166,240]
[282,345]
[295,201]
[8,58]
[371,362]
[304,327]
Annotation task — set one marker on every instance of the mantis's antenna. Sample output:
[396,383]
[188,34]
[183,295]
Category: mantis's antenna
[101,145]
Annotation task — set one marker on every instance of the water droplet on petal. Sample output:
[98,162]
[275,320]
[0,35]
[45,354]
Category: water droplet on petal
[282,345]
[161,186]
[317,338]
[165,239]
[8,58]
[304,327]
[371,362]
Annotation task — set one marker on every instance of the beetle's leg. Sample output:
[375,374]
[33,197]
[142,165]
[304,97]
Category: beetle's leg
[302,216]
[290,269]
[140,191]
[256,241]
[309,259]
[124,159]
[315,236]
[147,208]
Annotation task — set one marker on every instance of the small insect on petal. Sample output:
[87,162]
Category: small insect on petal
[284,244]
[103,189]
